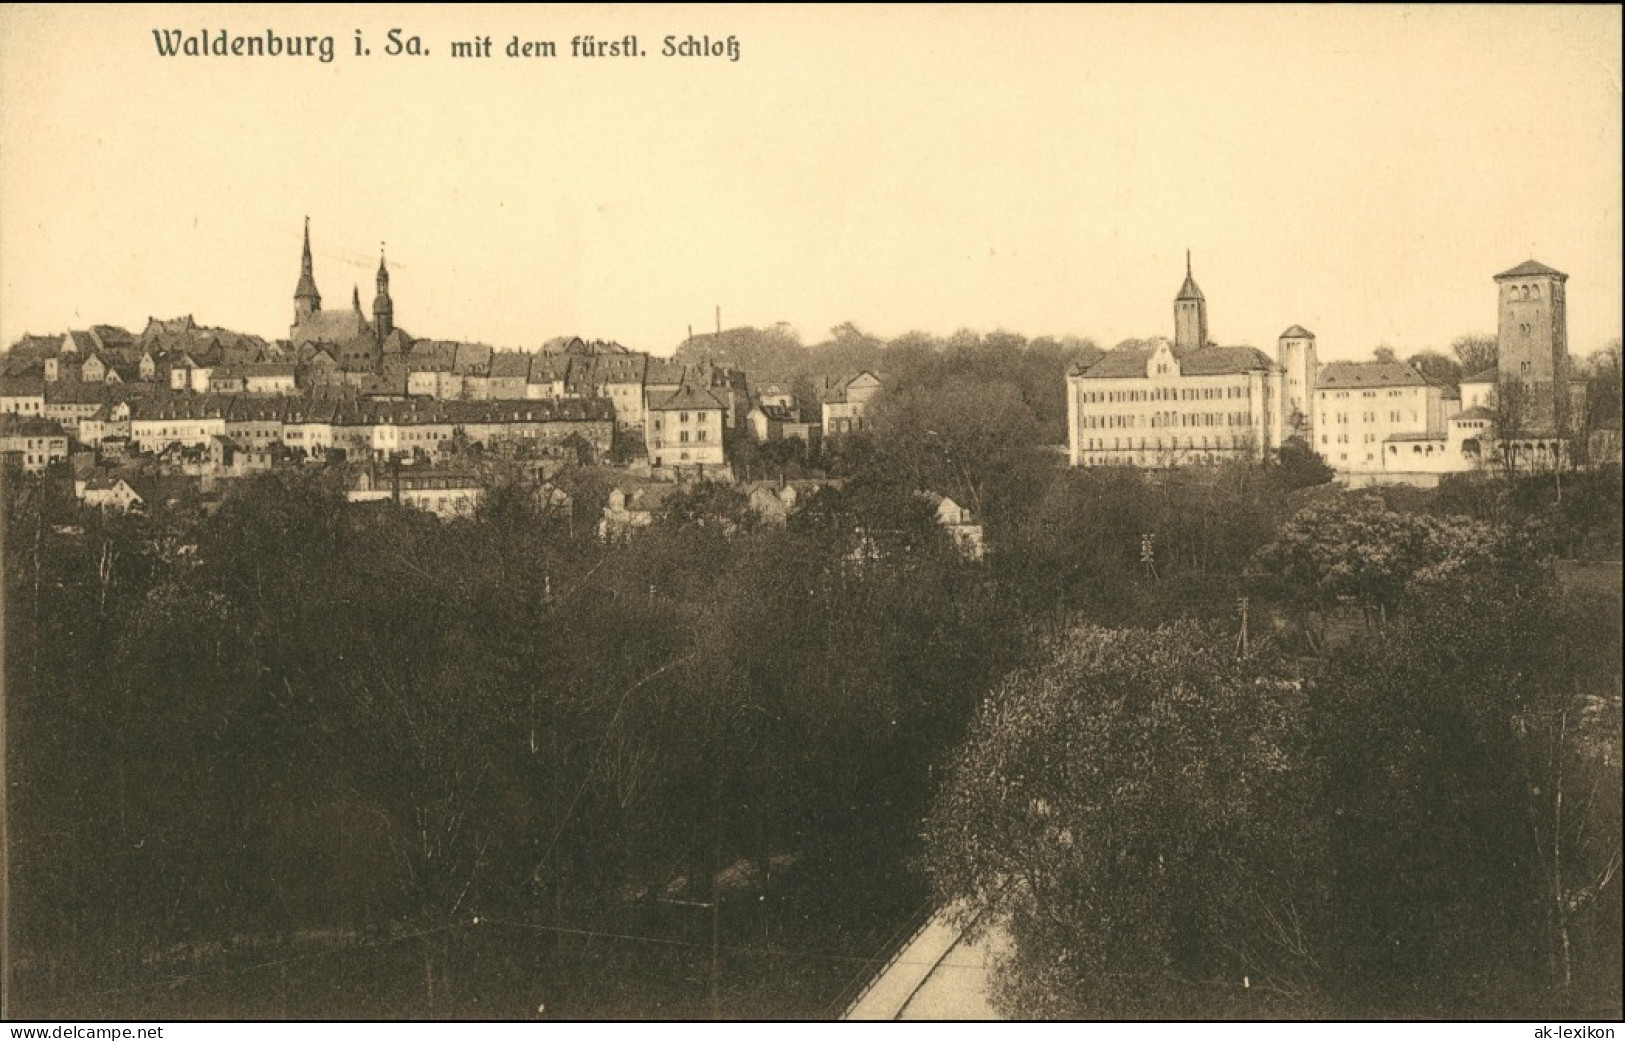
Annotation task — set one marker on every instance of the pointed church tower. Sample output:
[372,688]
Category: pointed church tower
[1190,313]
[355,298]
[306,301]
[383,309]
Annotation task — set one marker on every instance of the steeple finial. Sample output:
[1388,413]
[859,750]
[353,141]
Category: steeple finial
[1187,262]
[355,298]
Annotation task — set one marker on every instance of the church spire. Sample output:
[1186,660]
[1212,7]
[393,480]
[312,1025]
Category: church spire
[306,300]
[355,298]
[383,309]
[1190,313]
[1189,290]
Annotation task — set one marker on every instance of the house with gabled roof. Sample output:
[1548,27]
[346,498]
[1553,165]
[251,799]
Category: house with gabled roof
[683,430]
[79,342]
[112,493]
[846,401]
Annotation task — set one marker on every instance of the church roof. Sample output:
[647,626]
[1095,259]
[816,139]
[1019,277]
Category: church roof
[331,327]
[1189,291]
[1529,268]
[1297,332]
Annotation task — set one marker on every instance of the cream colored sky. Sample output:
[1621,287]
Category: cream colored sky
[1364,172]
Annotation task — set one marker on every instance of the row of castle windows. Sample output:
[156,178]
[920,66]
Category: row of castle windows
[1169,419]
[1141,460]
[1102,397]
[1364,393]
[1155,444]
[1369,417]
[1524,292]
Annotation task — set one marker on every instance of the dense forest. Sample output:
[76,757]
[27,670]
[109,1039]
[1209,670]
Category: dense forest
[295,757]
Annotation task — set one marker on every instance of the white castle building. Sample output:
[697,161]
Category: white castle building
[1190,401]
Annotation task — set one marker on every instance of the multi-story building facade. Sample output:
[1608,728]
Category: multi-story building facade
[1162,403]
[846,403]
[1359,406]
[684,429]
[32,442]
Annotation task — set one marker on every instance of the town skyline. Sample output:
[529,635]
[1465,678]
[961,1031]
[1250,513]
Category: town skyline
[1016,171]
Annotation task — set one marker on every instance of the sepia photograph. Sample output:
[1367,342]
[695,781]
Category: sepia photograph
[741,513]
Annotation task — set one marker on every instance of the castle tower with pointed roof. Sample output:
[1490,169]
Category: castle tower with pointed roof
[1190,313]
